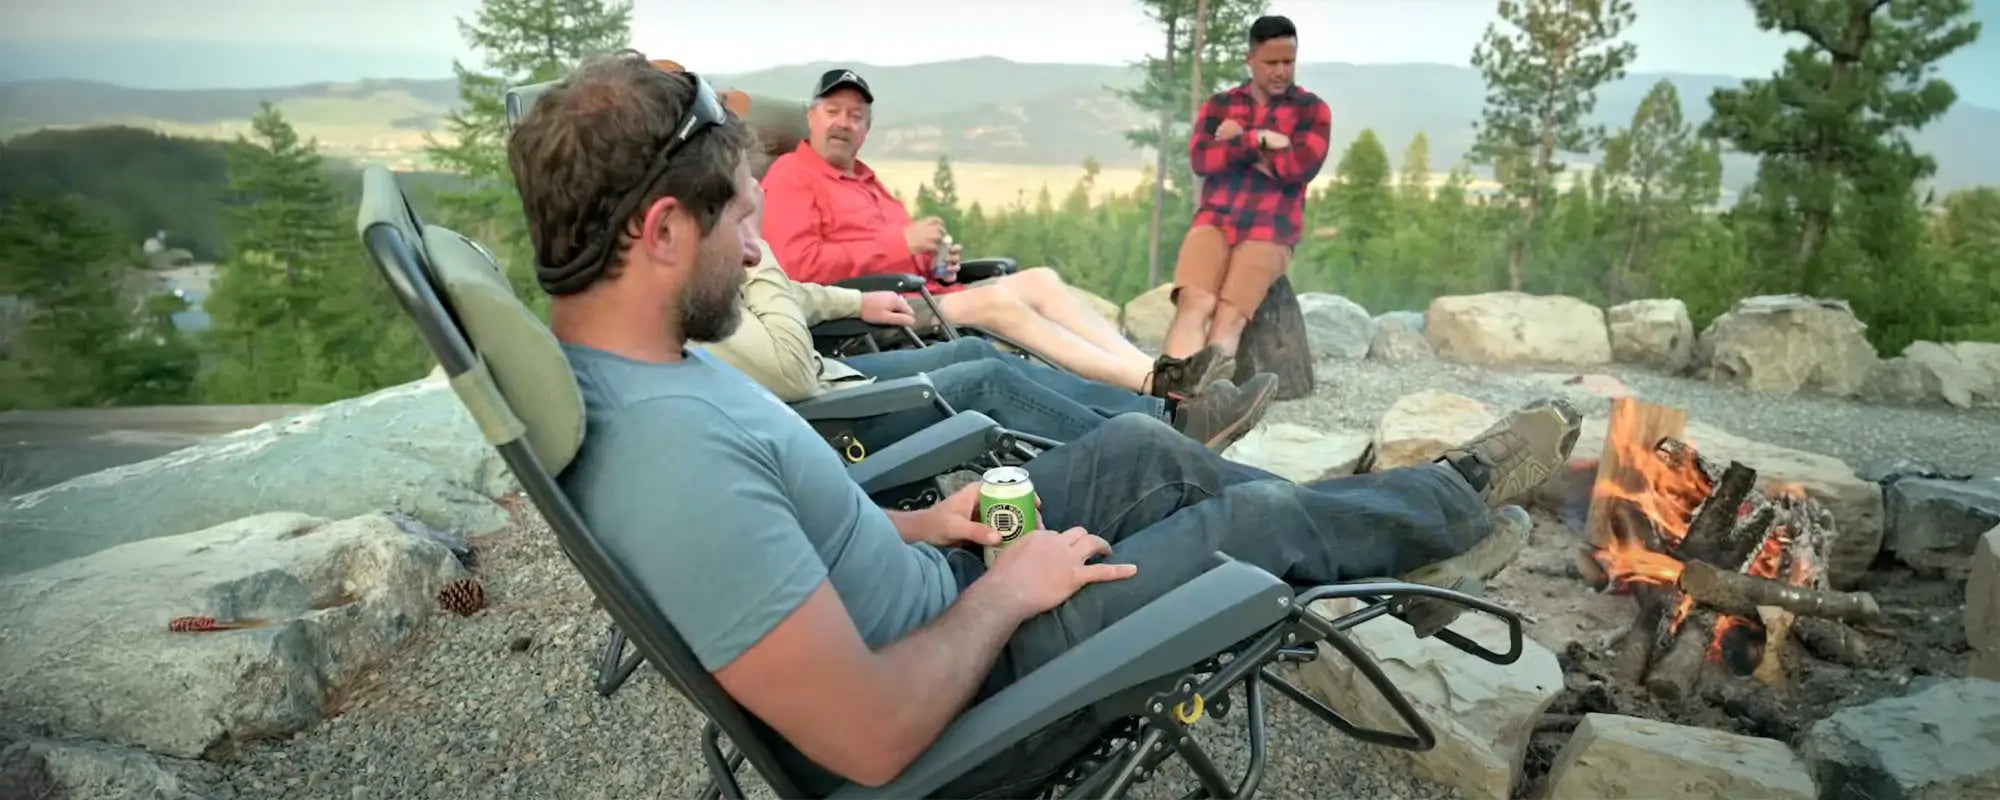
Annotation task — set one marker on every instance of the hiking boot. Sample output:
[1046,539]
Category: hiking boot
[1223,412]
[1519,452]
[1178,378]
[1466,572]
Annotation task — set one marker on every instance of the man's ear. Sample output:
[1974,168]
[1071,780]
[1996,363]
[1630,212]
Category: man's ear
[656,233]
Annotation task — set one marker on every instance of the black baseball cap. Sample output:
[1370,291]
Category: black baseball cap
[835,78]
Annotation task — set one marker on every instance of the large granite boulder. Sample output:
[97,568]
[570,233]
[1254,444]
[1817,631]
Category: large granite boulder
[1336,327]
[86,650]
[1420,426]
[1962,374]
[1941,743]
[1655,333]
[1618,756]
[1783,344]
[1104,308]
[1518,328]
[1982,607]
[410,448]
[1300,453]
[1148,316]
[1934,523]
[1397,340]
[1483,713]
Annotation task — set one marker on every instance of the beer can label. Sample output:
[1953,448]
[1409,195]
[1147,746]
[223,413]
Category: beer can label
[1007,504]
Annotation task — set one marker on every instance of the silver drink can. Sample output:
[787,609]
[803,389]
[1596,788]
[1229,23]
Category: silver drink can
[943,262]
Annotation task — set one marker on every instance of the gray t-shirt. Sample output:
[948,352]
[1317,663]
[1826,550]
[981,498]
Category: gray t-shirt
[729,509]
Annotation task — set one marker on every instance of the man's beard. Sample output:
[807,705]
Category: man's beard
[709,308]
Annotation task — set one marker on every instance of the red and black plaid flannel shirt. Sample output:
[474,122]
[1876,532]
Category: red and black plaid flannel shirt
[1246,202]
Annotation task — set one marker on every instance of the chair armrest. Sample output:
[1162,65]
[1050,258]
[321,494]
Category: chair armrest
[846,328]
[869,399]
[1205,616]
[979,269]
[883,283]
[960,439]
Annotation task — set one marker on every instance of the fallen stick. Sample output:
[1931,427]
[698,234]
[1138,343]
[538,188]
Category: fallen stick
[1736,593]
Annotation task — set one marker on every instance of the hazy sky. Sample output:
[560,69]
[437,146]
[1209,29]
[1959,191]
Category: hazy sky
[1711,36]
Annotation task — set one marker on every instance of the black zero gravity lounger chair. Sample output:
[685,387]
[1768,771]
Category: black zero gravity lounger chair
[906,474]
[1148,678]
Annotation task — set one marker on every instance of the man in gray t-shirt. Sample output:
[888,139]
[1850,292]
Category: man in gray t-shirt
[815,610]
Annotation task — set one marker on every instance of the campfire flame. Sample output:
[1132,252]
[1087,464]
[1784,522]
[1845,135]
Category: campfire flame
[1655,500]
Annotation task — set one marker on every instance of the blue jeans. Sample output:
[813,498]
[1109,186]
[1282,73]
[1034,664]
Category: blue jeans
[1165,502]
[971,374]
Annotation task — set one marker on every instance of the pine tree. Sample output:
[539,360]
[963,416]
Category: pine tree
[1164,92]
[1413,182]
[522,42]
[1361,198]
[939,198]
[288,246]
[1657,174]
[1542,77]
[1831,127]
[78,345]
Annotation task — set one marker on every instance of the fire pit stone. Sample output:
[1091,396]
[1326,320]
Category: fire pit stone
[1933,523]
[1618,756]
[1942,741]
[1421,425]
[1483,713]
[1982,607]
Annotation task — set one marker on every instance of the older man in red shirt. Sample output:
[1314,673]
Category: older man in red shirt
[1257,146]
[828,218]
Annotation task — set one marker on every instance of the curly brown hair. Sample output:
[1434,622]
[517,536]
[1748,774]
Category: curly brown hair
[580,152]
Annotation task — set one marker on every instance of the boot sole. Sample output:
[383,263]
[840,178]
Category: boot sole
[1222,439]
[1467,572]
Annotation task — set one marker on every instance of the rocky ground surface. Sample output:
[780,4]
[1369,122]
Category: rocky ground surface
[500,704]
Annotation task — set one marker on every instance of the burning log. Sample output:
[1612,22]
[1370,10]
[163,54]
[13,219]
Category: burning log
[1676,675]
[1777,626]
[1635,647]
[1621,468]
[1717,534]
[1737,593]
[1832,641]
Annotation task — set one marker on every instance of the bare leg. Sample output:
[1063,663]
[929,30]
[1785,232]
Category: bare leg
[1004,313]
[1189,330]
[1044,290]
[1226,332]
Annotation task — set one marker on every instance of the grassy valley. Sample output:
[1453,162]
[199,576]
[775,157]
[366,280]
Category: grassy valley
[1026,125]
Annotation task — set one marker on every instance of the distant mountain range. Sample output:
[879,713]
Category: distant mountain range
[977,110]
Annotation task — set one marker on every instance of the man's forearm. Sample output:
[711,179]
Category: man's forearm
[936,670]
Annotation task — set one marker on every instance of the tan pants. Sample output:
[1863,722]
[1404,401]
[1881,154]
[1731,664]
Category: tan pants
[1239,276]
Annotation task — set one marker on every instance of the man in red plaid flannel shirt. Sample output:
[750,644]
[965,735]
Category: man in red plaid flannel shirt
[1257,146]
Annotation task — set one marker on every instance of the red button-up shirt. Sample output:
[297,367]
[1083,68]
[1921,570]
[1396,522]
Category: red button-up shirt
[826,226]
[1247,203]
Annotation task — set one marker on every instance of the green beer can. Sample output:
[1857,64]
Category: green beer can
[1007,504]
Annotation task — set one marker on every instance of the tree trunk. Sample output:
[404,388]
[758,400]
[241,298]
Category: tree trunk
[1160,169]
[1195,95]
[1275,342]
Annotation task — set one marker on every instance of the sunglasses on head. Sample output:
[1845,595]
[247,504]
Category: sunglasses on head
[704,112]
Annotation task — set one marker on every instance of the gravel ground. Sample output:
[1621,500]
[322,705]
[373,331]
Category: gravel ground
[499,704]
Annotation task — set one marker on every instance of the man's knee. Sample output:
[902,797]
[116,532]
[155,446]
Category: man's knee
[1133,429]
[986,306]
[970,348]
[1194,301]
[1038,279]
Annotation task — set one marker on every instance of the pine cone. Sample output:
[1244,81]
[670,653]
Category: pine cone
[191,624]
[463,596]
